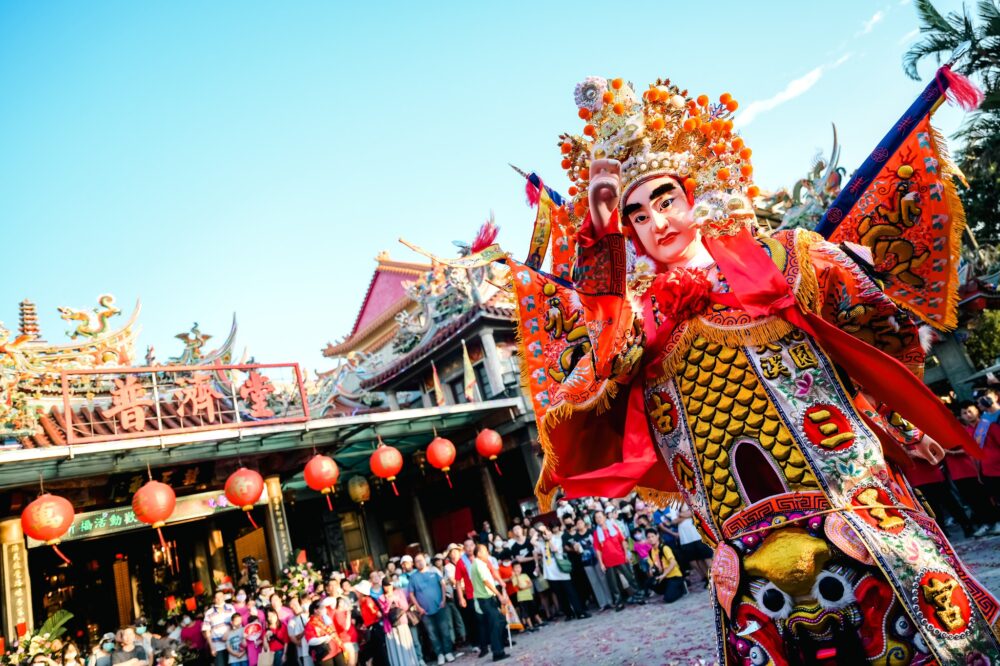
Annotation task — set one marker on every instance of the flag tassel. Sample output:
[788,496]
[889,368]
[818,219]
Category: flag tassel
[961,91]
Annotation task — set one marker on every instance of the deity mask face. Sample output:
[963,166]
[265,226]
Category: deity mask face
[659,214]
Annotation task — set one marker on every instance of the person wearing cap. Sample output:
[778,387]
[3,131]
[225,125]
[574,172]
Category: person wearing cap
[167,657]
[144,637]
[371,638]
[401,584]
[453,596]
[101,654]
[488,604]
[427,597]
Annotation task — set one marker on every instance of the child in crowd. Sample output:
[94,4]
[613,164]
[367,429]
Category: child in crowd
[236,643]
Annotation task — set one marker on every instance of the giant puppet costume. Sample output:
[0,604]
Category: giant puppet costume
[769,381]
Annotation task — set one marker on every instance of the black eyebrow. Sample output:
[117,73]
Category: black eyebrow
[631,208]
[661,190]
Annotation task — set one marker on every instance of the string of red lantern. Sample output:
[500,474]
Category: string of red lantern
[243,488]
[153,504]
[321,474]
[489,444]
[386,462]
[441,454]
[47,519]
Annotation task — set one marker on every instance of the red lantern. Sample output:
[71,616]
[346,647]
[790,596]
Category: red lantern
[47,519]
[386,463]
[321,474]
[243,488]
[153,504]
[489,444]
[441,454]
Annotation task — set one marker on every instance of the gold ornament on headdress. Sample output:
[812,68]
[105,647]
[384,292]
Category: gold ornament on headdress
[663,133]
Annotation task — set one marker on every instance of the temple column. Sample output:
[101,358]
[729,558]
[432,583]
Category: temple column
[498,517]
[277,524]
[423,530]
[15,583]
[491,360]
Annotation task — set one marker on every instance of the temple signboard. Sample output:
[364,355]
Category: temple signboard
[126,403]
[93,524]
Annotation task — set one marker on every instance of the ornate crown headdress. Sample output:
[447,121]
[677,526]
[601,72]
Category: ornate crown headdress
[663,133]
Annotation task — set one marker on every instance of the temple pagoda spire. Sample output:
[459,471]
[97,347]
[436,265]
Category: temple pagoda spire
[29,320]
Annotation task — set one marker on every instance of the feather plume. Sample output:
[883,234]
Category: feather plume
[487,234]
[961,90]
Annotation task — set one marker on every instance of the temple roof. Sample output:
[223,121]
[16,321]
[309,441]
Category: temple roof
[385,298]
[493,309]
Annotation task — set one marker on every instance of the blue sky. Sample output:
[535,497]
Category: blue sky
[254,157]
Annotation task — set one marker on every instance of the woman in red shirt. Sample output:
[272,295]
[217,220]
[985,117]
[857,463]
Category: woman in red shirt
[325,647]
[276,636]
[344,624]
[963,471]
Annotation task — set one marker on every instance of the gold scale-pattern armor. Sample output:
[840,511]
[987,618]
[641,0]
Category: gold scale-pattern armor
[724,402]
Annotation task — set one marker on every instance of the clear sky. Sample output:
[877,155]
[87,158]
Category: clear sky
[254,157]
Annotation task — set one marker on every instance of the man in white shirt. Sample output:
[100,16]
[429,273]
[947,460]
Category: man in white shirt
[297,630]
[215,626]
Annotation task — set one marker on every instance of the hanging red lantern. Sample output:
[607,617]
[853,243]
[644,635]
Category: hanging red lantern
[386,462]
[489,444]
[243,488]
[153,504]
[441,454]
[321,474]
[47,519]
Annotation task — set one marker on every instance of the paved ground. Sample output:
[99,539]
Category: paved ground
[678,634]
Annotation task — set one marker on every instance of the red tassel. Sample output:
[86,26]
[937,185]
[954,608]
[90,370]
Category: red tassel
[497,466]
[533,193]
[59,553]
[394,488]
[487,234]
[961,91]
[447,476]
[163,542]
[252,521]
[329,504]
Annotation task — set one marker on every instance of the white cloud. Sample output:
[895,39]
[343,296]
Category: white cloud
[795,88]
[904,2]
[870,24]
[905,39]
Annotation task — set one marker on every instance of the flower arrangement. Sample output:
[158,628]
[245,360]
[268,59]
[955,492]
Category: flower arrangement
[299,579]
[45,641]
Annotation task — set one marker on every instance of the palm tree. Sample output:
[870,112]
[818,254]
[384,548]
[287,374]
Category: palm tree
[975,41]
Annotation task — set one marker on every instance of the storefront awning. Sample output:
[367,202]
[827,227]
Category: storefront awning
[350,439]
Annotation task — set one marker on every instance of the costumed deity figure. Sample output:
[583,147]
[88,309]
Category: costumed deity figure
[766,380]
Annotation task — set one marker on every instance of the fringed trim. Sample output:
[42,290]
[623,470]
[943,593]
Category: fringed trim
[755,334]
[807,291]
[545,497]
[658,498]
[958,224]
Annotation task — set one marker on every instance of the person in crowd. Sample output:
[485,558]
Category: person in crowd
[127,651]
[372,633]
[144,638]
[543,592]
[698,555]
[71,655]
[664,572]
[236,644]
[167,657]
[524,599]
[325,647]
[488,598]
[275,636]
[989,403]
[928,478]
[427,598]
[453,598]
[556,569]
[343,622]
[486,533]
[101,654]
[463,576]
[609,549]
[974,489]
[297,651]
[573,544]
[395,624]
[216,625]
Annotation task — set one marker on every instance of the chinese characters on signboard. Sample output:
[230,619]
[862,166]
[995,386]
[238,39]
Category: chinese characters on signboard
[137,402]
[93,524]
[17,594]
[278,523]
